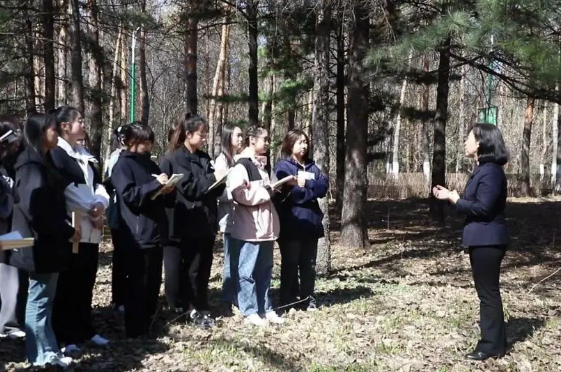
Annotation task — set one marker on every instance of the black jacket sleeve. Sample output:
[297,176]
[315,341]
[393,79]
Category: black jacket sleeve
[133,195]
[34,201]
[191,187]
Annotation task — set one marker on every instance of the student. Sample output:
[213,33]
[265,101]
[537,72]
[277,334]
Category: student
[41,214]
[85,195]
[255,229]
[137,180]
[113,214]
[300,219]
[232,144]
[194,219]
[485,232]
[13,282]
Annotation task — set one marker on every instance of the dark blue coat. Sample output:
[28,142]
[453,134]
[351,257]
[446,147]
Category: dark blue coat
[484,203]
[298,208]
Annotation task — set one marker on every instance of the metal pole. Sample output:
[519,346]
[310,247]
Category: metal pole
[133,73]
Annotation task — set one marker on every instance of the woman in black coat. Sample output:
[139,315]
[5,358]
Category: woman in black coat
[137,181]
[485,231]
[194,220]
[41,214]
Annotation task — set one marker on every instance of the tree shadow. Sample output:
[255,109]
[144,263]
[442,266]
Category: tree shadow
[521,329]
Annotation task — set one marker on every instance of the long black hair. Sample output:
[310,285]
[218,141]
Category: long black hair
[35,129]
[187,123]
[492,148]
[65,114]
[226,142]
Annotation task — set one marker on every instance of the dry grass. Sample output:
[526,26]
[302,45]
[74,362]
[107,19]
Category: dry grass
[407,304]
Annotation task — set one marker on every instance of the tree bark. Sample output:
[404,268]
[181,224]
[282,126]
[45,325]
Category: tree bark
[425,136]
[320,124]
[122,86]
[62,54]
[96,69]
[216,106]
[461,132]
[191,43]
[397,128]
[77,81]
[253,98]
[144,94]
[30,74]
[49,54]
[555,145]
[440,119]
[353,221]
[340,109]
[525,154]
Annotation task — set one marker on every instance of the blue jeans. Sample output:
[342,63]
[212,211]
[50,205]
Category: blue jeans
[230,272]
[40,343]
[255,269]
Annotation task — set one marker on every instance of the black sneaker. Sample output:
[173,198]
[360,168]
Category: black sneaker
[200,320]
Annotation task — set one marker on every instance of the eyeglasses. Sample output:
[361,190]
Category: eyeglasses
[265,139]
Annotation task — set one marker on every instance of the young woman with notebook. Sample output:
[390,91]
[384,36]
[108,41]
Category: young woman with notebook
[194,216]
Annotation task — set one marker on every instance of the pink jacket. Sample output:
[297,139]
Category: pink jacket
[254,217]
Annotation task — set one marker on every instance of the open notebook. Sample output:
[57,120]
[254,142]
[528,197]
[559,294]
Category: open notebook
[173,180]
[14,240]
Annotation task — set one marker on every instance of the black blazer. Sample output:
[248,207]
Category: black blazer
[195,213]
[484,203]
[41,214]
[144,219]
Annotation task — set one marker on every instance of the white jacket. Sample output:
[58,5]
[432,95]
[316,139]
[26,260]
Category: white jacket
[82,197]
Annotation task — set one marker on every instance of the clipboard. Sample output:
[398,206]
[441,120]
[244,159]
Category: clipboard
[219,182]
[173,180]
[14,240]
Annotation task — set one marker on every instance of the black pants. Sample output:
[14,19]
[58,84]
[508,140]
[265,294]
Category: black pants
[486,268]
[144,276]
[72,310]
[298,255]
[187,268]
[118,277]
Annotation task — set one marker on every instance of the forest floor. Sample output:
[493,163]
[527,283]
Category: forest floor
[406,304]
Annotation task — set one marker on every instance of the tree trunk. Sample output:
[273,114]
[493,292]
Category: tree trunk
[216,106]
[62,54]
[96,69]
[525,154]
[114,83]
[253,98]
[144,95]
[462,122]
[191,41]
[555,145]
[395,152]
[440,119]
[353,220]
[545,141]
[49,54]
[268,107]
[425,137]
[340,109]
[320,126]
[30,75]
[77,81]
[122,86]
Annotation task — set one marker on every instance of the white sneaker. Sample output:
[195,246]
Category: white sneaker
[256,320]
[99,341]
[62,361]
[16,335]
[272,317]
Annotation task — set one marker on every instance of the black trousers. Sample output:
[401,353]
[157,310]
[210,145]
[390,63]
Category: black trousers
[144,276]
[118,277]
[72,309]
[486,268]
[298,255]
[187,268]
